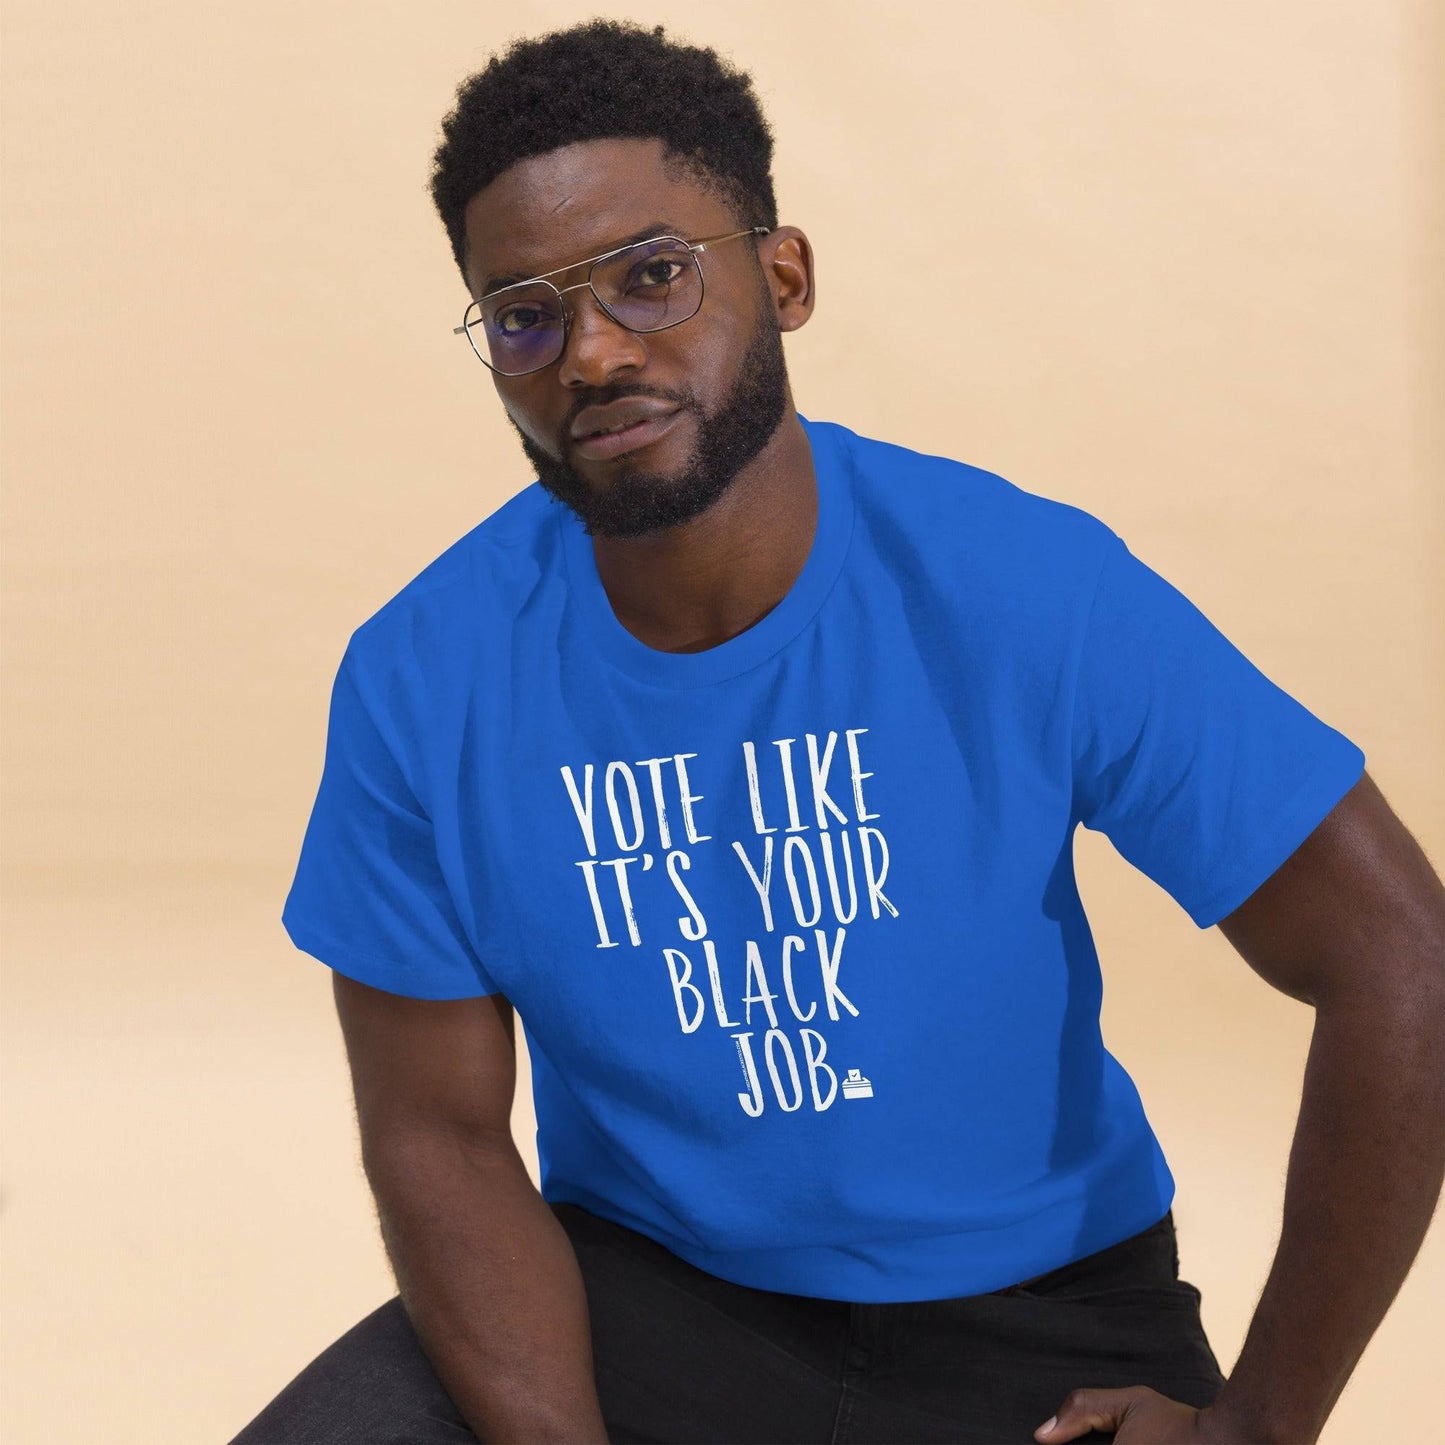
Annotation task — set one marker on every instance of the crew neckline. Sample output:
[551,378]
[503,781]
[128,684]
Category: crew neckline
[833,471]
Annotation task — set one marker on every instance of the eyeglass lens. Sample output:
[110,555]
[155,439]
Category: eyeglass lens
[646,287]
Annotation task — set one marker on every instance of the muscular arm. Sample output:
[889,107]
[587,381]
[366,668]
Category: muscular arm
[487,1275]
[1353,924]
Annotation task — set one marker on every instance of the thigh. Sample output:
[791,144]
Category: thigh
[373,1386]
[992,1368]
[683,1356]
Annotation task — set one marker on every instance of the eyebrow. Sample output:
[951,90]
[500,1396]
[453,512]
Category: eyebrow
[647,233]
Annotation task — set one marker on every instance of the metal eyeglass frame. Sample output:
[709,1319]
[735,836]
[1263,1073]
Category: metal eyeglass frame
[591,263]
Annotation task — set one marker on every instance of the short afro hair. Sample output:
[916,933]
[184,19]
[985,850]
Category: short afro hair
[601,79]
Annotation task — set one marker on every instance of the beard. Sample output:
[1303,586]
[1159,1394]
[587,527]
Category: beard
[634,501]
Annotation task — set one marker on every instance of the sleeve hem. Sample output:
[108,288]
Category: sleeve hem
[1308,809]
[409,983]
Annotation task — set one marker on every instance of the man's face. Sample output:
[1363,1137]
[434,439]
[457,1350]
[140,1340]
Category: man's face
[723,369]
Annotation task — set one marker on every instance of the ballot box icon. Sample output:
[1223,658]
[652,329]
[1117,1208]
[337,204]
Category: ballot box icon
[855,1086]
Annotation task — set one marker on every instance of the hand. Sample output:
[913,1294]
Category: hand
[1140,1416]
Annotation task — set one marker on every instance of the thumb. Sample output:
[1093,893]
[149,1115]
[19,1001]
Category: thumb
[1085,1410]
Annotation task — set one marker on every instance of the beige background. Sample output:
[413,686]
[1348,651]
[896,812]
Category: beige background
[1189,264]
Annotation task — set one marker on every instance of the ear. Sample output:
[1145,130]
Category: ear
[787,261]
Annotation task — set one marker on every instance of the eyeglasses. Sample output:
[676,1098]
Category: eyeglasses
[646,286]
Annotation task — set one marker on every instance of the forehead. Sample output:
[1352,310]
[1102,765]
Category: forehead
[556,209]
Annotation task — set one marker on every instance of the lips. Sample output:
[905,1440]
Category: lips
[621,413]
[642,432]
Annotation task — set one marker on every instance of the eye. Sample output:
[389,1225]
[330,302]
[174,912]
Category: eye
[515,319]
[655,273]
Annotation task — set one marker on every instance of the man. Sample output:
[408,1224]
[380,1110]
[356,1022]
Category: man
[742,755]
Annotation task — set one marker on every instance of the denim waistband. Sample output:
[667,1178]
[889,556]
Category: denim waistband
[1149,1257]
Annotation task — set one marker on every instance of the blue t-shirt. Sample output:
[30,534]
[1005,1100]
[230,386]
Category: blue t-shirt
[791,923]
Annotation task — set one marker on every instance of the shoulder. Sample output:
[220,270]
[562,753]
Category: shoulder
[961,520]
[460,599]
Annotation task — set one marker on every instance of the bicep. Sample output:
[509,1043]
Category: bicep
[1356,911]
[424,1066]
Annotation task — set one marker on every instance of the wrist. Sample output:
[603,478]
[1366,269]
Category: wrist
[1248,1420]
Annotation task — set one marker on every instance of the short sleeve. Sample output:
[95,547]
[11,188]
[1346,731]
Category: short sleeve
[1203,773]
[369,898]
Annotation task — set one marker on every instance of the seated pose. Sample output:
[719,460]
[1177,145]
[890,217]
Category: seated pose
[741,754]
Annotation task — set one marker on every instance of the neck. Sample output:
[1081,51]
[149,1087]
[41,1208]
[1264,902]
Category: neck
[696,585]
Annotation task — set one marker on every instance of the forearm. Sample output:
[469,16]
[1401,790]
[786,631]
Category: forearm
[1365,1172]
[491,1284]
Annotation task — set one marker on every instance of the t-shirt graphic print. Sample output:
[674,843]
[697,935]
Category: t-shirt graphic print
[812,882]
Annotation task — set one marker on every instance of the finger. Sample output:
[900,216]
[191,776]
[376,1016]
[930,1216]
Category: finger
[1085,1410]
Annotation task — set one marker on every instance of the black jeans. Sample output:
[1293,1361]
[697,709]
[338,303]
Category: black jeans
[681,1356]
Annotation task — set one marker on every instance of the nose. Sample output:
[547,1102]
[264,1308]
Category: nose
[597,347]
